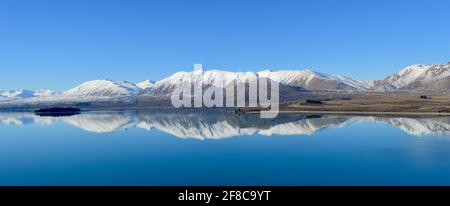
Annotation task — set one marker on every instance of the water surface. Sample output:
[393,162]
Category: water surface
[218,148]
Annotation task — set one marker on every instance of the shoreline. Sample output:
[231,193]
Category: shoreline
[258,110]
[248,110]
[368,113]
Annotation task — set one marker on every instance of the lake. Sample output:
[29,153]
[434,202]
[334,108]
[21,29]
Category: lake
[177,147]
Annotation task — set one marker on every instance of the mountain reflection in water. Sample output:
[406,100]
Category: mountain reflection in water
[204,125]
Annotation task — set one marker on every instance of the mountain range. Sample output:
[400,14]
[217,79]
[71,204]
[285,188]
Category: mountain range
[24,93]
[417,77]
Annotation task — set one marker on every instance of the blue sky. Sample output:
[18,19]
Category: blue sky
[59,44]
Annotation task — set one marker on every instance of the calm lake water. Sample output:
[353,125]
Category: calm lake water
[217,148]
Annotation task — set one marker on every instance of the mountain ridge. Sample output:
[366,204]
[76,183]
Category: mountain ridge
[417,77]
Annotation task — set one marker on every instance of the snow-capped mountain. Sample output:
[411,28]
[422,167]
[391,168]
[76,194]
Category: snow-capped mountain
[147,84]
[24,94]
[104,88]
[45,93]
[296,78]
[412,78]
[211,77]
[19,94]
[315,80]
[417,77]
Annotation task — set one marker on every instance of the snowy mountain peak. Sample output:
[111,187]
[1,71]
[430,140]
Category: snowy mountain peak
[418,77]
[146,84]
[407,75]
[19,94]
[44,93]
[413,69]
[26,94]
[298,78]
[104,88]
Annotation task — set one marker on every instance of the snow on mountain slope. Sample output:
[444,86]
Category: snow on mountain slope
[44,93]
[402,78]
[436,71]
[417,77]
[407,75]
[298,78]
[315,80]
[147,84]
[25,94]
[104,88]
[19,94]
[213,77]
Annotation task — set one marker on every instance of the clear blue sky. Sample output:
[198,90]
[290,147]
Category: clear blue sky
[59,44]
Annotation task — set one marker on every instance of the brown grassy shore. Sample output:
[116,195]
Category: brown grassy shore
[370,103]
